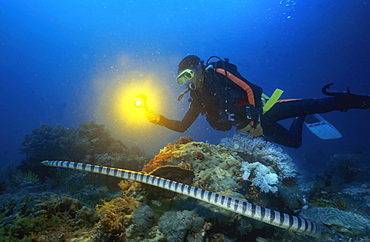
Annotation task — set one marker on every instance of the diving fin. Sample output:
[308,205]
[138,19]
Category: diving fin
[321,128]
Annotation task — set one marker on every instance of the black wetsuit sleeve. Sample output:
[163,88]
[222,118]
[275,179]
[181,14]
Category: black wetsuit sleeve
[181,126]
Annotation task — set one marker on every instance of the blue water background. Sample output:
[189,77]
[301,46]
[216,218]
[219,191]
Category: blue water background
[51,53]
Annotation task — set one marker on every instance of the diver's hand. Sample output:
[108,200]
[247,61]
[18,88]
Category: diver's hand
[152,116]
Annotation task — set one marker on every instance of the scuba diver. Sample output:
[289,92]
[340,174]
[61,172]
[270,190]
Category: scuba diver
[218,91]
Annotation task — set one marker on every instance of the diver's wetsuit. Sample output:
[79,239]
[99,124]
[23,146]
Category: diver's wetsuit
[211,102]
[217,101]
[273,131]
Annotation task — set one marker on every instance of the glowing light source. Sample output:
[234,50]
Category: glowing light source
[123,98]
[131,114]
[140,101]
[125,101]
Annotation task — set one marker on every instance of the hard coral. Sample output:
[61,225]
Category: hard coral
[198,155]
[184,140]
[143,219]
[258,150]
[48,142]
[175,225]
[99,139]
[90,143]
[263,177]
[344,222]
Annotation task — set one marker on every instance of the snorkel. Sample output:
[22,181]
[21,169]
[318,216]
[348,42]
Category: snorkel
[183,94]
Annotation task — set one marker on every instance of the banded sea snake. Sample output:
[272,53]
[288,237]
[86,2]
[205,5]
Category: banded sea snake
[249,210]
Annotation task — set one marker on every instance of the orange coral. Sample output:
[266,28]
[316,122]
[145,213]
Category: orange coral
[159,160]
[128,186]
[165,157]
[169,146]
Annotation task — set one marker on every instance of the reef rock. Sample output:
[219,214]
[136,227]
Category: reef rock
[219,168]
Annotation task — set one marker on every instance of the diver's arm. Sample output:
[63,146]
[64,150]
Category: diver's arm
[181,126]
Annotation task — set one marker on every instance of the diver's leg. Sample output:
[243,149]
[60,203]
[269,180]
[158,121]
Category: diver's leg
[295,130]
[302,107]
[276,133]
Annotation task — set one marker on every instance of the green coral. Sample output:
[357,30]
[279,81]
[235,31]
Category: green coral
[25,177]
[28,215]
[25,226]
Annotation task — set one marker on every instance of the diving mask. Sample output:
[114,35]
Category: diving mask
[185,76]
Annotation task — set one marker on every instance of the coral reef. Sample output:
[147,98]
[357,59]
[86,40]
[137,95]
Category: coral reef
[158,161]
[173,173]
[224,167]
[115,217]
[214,168]
[241,167]
[24,178]
[90,142]
[39,215]
[175,225]
[142,219]
[256,149]
[341,221]
[218,168]
[348,167]
[358,192]
[165,155]
[261,162]
[264,178]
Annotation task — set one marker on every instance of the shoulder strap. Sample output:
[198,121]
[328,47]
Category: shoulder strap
[240,83]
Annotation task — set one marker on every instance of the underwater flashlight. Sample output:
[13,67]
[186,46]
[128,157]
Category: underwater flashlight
[140,101]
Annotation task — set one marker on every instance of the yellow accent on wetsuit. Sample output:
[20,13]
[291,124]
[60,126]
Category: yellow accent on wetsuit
[268,105]
[271,102]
